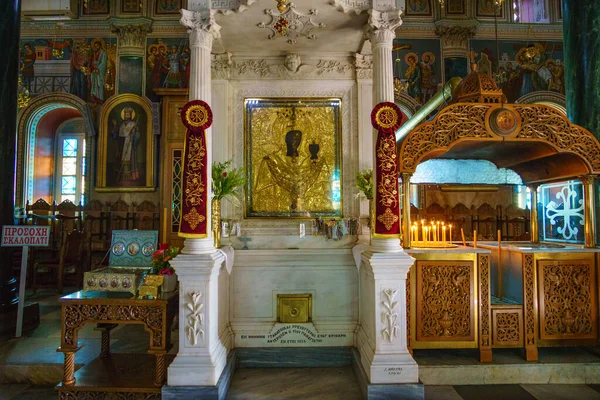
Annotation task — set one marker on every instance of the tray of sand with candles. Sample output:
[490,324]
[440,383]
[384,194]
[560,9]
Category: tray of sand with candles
[431,235]
[130,258]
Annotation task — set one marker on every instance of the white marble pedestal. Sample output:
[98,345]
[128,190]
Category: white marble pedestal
[381,336]
[204,332]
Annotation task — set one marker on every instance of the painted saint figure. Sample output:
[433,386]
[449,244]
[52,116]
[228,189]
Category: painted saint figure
[413,74]
[295,173]
[79,69]
[173,79]
[429,80]
[98,71]
[27,71]
[127,135]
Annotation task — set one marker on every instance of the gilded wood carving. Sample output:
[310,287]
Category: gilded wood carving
[459,121]
[567,299]
[530,307]
[484,306]
[508,327]
[102,395]
[75,316]
[408,309]
[462,121]
[445,301]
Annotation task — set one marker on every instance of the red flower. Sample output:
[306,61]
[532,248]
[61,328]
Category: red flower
[224,174]
[163,246]
[166,271]
[158,253]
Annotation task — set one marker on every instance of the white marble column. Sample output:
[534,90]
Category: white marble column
[381,336]
[364,82]
[202,29]
[204,332]
[381,31]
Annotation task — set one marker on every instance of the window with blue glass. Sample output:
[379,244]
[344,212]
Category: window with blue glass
[70,179]
[562,212]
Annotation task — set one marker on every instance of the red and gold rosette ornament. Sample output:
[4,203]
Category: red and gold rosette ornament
[387,118]
[196,115]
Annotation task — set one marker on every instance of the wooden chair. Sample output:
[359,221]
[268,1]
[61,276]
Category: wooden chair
[485,221]
[121,216]
[42,213]
[68,264]
[435,212]
[460,217]
[148,217]
[97,229]
[515,223]
[68,218]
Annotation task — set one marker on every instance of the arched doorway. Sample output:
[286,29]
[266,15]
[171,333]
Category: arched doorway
[54,150]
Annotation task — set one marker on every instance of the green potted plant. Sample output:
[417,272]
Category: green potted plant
[364,184]
[225,182]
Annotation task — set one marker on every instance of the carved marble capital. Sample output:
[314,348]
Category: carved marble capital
[382,26]
[364,66]
[221,65]
[221,6]
[202,27]
[357,6]
[132,35]
[455,38]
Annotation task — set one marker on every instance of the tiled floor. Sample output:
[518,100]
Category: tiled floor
[39,348]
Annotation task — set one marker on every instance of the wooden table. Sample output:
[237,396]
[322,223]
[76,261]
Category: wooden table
[109,309]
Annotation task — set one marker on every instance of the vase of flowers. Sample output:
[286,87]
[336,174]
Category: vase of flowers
[225,182]
[364,184]
[160,266]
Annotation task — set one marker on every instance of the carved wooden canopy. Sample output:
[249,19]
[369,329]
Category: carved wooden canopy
[534,140]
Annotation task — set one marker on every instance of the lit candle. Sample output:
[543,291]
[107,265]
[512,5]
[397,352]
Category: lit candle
[443,234]
[450,232]
[423,230]
[474,238]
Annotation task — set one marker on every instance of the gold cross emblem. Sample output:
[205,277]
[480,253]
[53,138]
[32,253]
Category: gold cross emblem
[193,218]
[388,219]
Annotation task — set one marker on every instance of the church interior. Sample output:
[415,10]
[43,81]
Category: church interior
[321,199]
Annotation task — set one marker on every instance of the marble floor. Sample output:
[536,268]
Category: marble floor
[339,383]
[30,367]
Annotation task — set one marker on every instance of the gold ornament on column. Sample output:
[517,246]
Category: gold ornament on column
[224,184]
[216,221]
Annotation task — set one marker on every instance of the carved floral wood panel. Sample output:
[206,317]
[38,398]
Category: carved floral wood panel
[530,307]
[76,315]
[508,327]
[567,299]
[445,301]
[485,344]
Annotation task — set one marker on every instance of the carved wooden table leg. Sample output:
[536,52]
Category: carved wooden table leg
[105,343]
[69,366]
[69,373]
[161,367]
